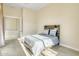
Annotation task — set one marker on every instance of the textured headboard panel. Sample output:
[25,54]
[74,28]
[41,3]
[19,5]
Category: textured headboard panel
[52,27]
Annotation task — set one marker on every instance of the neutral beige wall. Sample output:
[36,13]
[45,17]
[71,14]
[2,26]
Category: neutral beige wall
[11,11]
[29,21]
[67,16]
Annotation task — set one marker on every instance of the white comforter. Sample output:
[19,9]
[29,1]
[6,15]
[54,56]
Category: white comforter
[46,40]
[38,43]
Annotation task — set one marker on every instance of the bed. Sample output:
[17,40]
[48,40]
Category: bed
[38,42]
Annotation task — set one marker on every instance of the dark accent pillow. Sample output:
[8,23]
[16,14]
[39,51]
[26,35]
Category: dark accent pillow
[49,32]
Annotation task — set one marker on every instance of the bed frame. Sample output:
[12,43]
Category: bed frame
[52,27]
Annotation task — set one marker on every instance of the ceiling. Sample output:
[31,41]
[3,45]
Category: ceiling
[33,6]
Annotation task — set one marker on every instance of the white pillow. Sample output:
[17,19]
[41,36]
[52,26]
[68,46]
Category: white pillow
[45,32]
[53,32]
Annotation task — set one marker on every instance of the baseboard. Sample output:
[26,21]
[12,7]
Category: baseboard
[69,47]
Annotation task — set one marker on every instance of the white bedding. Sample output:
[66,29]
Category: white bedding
[47,41]
[38,43]
[35,45]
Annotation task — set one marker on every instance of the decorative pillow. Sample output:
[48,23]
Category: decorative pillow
[53,32]
[45,32]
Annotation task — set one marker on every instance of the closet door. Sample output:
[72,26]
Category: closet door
[1,26]
[11,28]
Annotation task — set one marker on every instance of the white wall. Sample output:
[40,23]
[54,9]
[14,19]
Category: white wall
[67,16]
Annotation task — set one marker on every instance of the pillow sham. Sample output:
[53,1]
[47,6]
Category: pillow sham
[53,32]
[45,32]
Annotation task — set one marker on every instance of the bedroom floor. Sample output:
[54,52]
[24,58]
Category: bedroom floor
[13,48]
[62,51]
